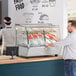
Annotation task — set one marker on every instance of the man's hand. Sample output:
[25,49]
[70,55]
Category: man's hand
[49,44]
[56,39]
[53,37]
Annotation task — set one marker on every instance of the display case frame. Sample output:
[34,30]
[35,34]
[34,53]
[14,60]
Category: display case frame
[37,48]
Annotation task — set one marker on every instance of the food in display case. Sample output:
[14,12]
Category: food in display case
[32,38]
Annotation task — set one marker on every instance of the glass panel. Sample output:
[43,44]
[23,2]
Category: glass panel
[36,35]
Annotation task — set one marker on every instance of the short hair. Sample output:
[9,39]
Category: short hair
[7,20]
[73,23]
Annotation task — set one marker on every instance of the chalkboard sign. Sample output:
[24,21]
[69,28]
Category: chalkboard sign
[0,12]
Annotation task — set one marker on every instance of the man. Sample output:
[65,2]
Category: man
[9,38]
[69,44]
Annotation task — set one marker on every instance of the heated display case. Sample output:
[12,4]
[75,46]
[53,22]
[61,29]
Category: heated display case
[31,38]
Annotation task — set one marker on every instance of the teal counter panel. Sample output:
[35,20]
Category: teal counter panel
[39,68]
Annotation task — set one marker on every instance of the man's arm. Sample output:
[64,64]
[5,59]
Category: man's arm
[64,42]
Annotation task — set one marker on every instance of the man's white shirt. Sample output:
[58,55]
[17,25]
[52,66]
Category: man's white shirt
[69,44]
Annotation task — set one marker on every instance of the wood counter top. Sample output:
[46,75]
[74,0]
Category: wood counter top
[7,60]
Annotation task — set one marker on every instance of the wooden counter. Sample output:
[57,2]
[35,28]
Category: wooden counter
[7,60]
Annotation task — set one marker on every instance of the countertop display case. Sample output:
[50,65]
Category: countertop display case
[31,38]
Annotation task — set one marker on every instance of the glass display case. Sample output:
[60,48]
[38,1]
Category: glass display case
[35,35]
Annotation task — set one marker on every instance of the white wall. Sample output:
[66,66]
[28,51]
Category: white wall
[71,5]
[57,15]
[72,9]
